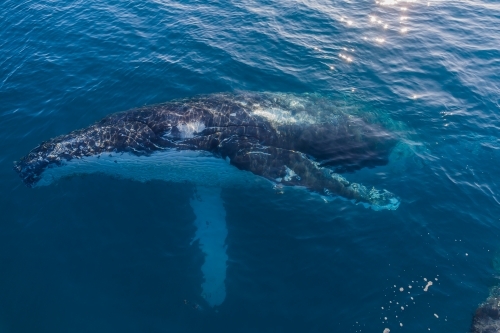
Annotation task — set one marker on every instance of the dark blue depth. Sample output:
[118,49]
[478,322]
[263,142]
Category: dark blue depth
[97,254]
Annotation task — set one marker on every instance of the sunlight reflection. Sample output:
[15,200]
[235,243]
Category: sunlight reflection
[394,2]
[348,21]
[391,18]
[385,25]
[345,57]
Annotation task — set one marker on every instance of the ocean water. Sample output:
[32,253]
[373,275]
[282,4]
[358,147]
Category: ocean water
[100,254]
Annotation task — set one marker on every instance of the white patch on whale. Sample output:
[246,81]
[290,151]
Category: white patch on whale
[290,174]
[211,233]
[279,116]
[188,130]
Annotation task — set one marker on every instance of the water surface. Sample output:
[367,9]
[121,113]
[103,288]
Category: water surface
[98,254]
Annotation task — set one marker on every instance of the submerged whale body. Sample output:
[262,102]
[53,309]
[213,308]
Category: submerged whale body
[487,316]
[291,140]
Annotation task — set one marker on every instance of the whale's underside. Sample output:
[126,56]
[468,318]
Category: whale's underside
[288,139]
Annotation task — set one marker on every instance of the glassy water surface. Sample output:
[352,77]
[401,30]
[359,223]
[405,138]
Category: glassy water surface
[95,253]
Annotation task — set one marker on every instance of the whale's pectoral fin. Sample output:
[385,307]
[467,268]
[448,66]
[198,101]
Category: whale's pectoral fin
[293,168]
[211,234]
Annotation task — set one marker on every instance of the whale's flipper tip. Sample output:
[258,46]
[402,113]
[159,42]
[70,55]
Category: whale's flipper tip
[383,200]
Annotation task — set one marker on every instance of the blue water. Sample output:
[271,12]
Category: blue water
[99,254]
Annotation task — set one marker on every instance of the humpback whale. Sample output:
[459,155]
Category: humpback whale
[286,139]
[224,139]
